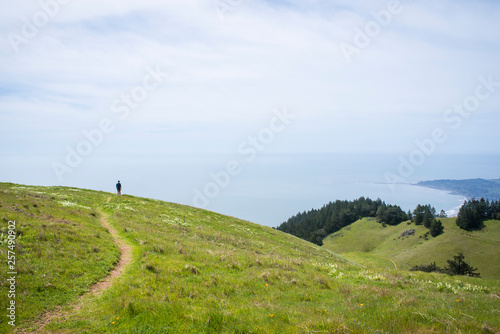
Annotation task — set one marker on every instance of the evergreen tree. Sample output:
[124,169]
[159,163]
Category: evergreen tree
[423,214]
[390,214]
[418,215]
[428,219]
[436,228]
[458,266]
[472,213]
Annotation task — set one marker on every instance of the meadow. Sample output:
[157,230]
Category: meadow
[369,242]
[195,271]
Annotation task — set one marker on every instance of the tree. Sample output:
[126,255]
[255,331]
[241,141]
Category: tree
[474,212]
[495,210]
[423,214]
[428,219]
[318,237]
[458,266]
[409,215]
[436,228]
[443,214]
[471,214]
[390,214]
[418,215]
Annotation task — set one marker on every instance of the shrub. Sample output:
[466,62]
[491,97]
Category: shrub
[457,266]
[430,268]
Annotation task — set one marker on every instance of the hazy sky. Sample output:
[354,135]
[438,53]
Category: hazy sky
[189,83]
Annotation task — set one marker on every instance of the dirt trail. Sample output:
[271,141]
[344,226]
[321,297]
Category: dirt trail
[96,289]
[125,259]
[395,265]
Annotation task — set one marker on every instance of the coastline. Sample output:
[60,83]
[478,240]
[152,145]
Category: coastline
[469,188]
[449,191]
[452,212]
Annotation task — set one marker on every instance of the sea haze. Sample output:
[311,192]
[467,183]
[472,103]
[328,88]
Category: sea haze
[272,188]
[311,103]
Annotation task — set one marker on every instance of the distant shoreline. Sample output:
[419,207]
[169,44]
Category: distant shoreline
[450,191]
[471,188]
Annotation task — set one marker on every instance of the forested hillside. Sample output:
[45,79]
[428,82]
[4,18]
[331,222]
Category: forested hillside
[473,213]
[315,225]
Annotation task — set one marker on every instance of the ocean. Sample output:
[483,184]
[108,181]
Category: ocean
[273,188]
[267,190]
[273,210]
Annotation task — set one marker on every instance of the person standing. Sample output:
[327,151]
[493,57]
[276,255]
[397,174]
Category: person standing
[119,188]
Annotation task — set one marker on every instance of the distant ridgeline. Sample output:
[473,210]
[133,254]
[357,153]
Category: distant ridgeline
[315,225]
[473,188]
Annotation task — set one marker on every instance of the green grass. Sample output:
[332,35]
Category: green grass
[368,242]
[196,271]
[61,247]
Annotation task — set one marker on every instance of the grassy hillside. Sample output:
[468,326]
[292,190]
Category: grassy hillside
[368,242]
[195,271]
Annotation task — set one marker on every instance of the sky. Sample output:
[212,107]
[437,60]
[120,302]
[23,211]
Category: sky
[190,100]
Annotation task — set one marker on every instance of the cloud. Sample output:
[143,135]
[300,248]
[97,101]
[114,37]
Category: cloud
[229,73]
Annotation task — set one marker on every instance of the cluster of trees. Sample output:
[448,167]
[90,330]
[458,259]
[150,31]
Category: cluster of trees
[457,266]
[473,213]
[426,215]
[390,214]
[315,225]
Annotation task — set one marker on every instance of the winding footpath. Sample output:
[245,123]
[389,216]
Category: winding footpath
[395,265]
[99,287]
[125,258]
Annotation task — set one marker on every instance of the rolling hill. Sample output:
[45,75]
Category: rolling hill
[367,240]
[93,262]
